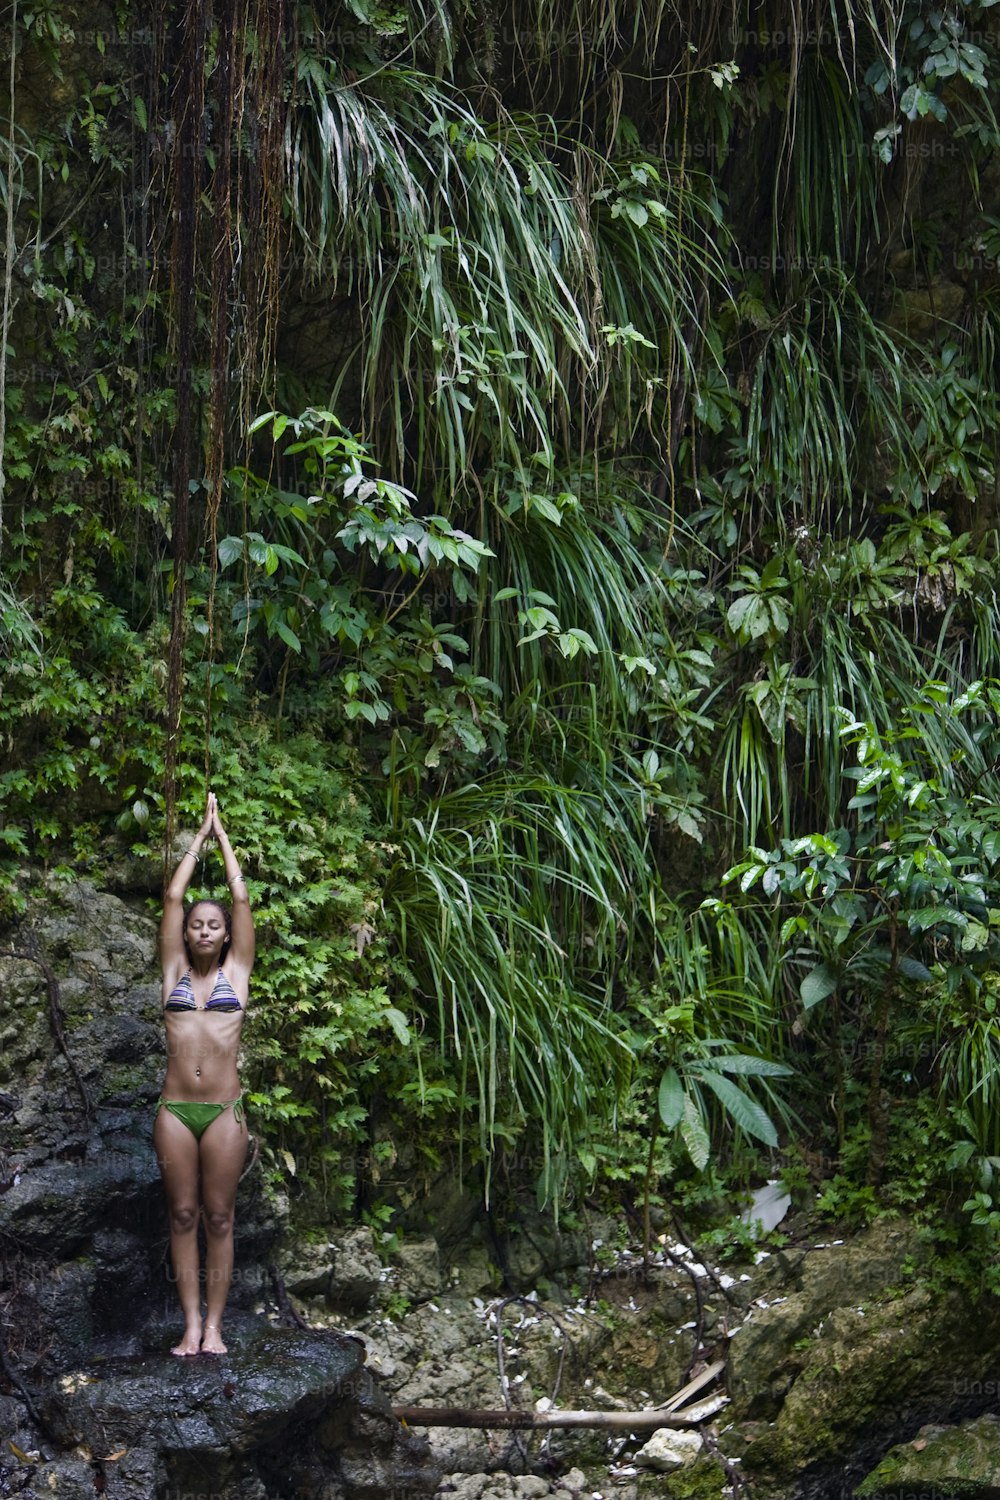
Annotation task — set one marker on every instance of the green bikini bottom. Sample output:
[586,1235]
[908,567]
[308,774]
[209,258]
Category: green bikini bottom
[198,1117]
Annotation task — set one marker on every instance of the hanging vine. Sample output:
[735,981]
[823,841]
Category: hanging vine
[225,256]
[8,265]
[229,74]
[189,151]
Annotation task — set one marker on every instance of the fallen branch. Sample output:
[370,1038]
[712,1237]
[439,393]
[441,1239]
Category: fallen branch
[628,1421]
[707,1375]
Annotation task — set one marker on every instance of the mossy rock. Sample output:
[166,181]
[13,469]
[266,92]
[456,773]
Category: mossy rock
[947,1463]
[771,1349]
[873,1369]
[705,1479]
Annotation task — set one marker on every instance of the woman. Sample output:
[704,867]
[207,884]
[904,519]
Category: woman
[200,1131]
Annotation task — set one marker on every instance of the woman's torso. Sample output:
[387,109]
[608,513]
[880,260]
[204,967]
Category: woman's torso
[203,1018]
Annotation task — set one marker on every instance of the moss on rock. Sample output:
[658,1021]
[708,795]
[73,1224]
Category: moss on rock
[872,1369]
[961,1462]
[705,1479]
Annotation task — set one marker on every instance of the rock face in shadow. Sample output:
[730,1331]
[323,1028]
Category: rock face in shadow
[91,1400]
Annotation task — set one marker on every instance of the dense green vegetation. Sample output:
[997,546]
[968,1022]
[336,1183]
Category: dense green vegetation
[539,464]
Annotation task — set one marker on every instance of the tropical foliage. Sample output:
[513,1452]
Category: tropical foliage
[541,464]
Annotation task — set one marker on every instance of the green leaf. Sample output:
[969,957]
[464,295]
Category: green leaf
[399,1024]
[574,640]
[742,1062]
[742,1110]
[230,548]
[261,421]
[542,506]
[694,1134]
[739,609]
[288,635]
[936,916]
[671,1099]
[818,984]
[912,968]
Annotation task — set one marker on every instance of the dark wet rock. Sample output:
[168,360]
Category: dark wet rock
[56,1208]
[285,1412]
[203,1405]
[108,1040]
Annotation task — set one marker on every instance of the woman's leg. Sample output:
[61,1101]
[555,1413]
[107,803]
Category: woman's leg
[223,1152]
[177,1154]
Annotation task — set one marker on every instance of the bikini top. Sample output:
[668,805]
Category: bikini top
[222,998]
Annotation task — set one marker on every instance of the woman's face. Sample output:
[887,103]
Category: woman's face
[205,930]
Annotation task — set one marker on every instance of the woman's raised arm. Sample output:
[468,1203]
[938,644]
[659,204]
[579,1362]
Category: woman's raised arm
[244,942]
[173,956]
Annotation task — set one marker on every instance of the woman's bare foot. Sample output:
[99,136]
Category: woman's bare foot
[190,1343]
[211,1341]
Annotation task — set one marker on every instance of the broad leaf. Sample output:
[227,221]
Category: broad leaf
[760,1067]
[694,1134]
[742,1110]
[671,1099]
[399,1024]
[817,985]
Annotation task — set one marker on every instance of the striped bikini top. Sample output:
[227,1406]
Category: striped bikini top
[222,998]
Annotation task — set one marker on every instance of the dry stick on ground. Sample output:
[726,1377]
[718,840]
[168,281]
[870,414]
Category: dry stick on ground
[683,1396]
[34,955]
[521,1419]
[699,1332]
[713,1276]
